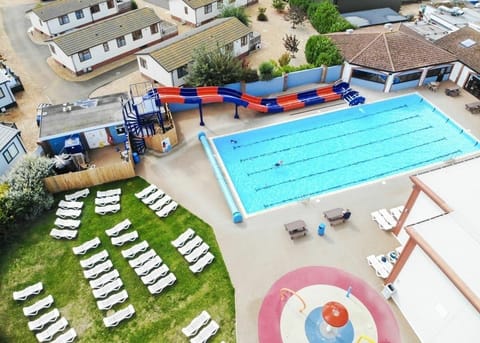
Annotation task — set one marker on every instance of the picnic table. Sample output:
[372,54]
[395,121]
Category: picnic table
[296,229]
[335,216]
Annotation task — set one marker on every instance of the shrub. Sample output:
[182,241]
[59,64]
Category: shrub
[238,12]
[134,5]
[279,5]
[250,75]
[24,195]
[284,59]
[320,50]
[266,71]
[325,18]
[261,14]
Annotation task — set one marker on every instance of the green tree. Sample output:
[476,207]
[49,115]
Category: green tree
[238,12]
[303,4]
[279,5]
[23,194]
[325,18]
[266,70]
[296,15]
[320,50]
[215,67]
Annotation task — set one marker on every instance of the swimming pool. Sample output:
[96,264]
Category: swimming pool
[337,150]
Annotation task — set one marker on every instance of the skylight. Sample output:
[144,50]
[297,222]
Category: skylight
[467,43]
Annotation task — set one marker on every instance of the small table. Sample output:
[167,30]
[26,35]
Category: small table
[454,91]
[334,216]
[433,86]
[296,229]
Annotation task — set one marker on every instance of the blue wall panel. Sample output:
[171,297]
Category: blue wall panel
[367,84]
[261,88]
[302,77]
[334,73]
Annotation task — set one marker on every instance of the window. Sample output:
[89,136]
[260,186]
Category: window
[137,34]
[10,153]
[219,4]
[182,71]
[154,28]
[110,4]
[143,62]
[369,76]
[244,40]
[79,14]
[95,9]
[208,9]
[63,19]
[2,94]
[185,9]
[229,47]
[106,47]
[121,41]
[84,55]
[52,48]
[407,77]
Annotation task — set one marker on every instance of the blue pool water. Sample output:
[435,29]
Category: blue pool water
[337,150]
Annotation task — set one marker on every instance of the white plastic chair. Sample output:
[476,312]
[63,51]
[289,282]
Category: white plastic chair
[155,274]
[109,193]
[183,238]
[86,246]
[67,223]
[115,319]
[68,213]
[102,210]
[190,245]
[66,337]
[147,267]
[114,199]
[160,203]
[207,332]
[197,253]
[23,294]
[110,287]
[161,284]
[192,328]
[59,234]
[52,330]
[94,259]
[32,310]
[165,212]
[112,300]
[122,226]
[146,191]
[205,260]
[73,205]
[153,197]
[43,320]
[83,193]
[104,279]
[142,259]
[92,273]
[127,237]
[134,250]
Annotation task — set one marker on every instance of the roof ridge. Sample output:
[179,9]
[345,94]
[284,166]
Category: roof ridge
[366,47]
[388,51]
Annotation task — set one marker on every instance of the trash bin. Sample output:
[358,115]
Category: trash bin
[388,291]
[136,158]
[321,229]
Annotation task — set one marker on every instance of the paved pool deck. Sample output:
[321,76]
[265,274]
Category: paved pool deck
[258,251]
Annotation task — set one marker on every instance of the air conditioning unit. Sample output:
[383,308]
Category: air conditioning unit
[258,46]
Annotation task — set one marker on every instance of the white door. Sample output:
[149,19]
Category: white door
[96,138]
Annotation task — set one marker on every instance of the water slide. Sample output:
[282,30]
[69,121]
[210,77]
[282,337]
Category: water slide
[212,94]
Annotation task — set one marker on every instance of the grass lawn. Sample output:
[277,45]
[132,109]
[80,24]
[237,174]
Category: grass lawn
[34,256]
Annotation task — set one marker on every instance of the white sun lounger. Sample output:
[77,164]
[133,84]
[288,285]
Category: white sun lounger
[114,319]
[114,199]
[155,274]
[147,267]
[183,238]
[157,205]
[52,330]
[197,252]
[195,325]
[161,284]
[67,223]
[127,237]
[110,287]
[102,210]
[112,300]
[165,212]
[83,193]
[104,279]
[109,193]
[382,269]
[207,332]
[397,212]
[94,259]
[122,226]
[153,197]
[131,252]
[43,320]
[59,234]
[146,191]
[32,310]
[381,222]
[205,260]
[66,337]
[28,291]
[190,245]
[68,213]
[92,273]
[86,246]
[73,205]
[388,217]
[142,259]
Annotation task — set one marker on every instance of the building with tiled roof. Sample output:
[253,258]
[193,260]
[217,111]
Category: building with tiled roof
[199,12]
[60,16]
[167,62]
[92,46]
[391,57]
[465,45]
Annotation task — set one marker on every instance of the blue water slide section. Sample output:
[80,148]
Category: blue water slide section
[236,215]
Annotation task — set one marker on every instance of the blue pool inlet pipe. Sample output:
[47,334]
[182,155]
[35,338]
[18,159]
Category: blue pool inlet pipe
[236,215]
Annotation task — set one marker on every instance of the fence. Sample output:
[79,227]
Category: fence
[90,177]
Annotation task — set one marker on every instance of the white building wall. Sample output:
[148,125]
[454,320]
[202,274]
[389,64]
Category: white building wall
[202,17]
[465,74]
[56,28]
[61,58]
[177,9]
[104,11]
[8,97]
[432,305]
[456,70]
[39,25]
[155,71]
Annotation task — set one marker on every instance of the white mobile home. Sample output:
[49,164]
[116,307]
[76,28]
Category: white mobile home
[198,12]
[61,16]
[7,99]
[167,63]
[90,47]
[11,147]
